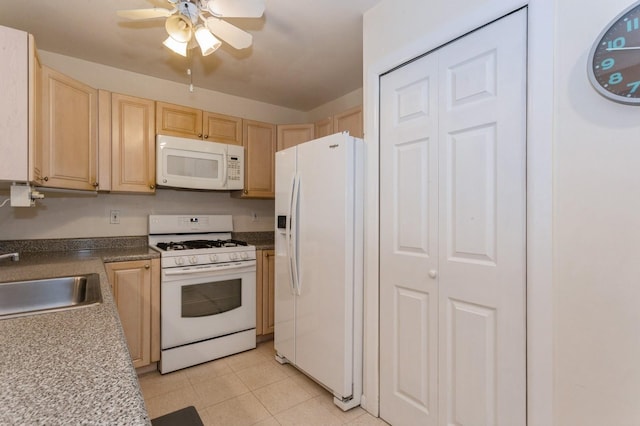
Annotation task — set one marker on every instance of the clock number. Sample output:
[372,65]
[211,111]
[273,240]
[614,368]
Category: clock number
[634,86]
[616,44]
[633,24]
[615,78]
[608,63]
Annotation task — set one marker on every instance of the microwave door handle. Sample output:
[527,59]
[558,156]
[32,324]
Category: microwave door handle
[225,160]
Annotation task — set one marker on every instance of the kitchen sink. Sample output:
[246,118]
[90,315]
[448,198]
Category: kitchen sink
[18,298]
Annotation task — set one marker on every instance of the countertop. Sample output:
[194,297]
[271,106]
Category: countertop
[262,240]
[69,367]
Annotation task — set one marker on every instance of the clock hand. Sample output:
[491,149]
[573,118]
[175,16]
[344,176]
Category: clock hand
[622,48]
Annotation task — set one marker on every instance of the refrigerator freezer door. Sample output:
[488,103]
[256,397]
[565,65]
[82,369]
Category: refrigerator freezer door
[324,306]
[284,334]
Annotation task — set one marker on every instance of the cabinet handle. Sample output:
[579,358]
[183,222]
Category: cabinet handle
[95,184]
[199,135]
[152,187]
[46,178]
[206,136]
[146,266]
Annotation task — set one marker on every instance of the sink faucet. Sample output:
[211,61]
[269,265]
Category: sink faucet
[13,256]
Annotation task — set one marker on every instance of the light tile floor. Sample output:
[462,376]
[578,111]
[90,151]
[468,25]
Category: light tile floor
[250,388]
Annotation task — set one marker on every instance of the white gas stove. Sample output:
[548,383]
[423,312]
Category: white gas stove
[208,289]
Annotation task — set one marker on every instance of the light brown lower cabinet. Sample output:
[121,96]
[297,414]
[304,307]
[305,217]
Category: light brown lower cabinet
[265,291]
[136,290]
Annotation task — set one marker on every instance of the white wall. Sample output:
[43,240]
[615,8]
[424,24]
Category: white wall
[81,216]
[583,180]
[350,100]
[596,234]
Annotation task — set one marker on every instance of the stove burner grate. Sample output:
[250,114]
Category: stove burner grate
[200,244]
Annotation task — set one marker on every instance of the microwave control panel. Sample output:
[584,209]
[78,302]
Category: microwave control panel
[234,170]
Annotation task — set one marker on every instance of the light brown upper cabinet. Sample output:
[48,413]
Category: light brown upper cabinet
[259,141]
[70,132]
[349,120]
[179,120]
[20,88]
[132,154]
[293,134]
[323,127]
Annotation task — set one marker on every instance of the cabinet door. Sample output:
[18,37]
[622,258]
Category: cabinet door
[131,287]
[268,291]
[259,140]
[293,134]
[35,112]
[104,140]
[259,296]
[349,120]
[14,104]
[222,128]
[70,132]
[178,120]
[133,163]
[155,310]
[323,127]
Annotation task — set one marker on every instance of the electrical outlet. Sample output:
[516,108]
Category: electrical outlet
[114,218]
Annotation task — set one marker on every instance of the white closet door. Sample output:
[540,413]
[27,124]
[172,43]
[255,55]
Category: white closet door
[409,244]
[478,270]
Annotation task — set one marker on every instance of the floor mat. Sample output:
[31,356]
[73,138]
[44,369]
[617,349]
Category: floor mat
[184,417]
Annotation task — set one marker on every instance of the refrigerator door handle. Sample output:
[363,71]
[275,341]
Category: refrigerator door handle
[294,234]
[287,233]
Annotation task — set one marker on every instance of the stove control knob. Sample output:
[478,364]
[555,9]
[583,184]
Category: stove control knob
[179,260]
[193,260]
[213,257]
[244,255]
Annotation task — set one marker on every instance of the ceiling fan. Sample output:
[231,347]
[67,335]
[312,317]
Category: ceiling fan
[202,19]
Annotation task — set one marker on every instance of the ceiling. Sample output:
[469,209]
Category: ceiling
[304,53]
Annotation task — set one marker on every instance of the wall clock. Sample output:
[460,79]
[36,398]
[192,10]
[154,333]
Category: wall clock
[614,60]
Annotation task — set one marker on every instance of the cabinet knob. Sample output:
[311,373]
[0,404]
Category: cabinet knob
[433,273]
[46,178]
[95,184]
[146,266]
[206,136]
[245,191]
[199,135]
[152,187]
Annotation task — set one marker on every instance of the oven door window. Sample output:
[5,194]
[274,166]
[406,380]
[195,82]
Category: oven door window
[207,299]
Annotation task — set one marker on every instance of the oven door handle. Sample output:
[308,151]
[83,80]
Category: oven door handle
[246,267]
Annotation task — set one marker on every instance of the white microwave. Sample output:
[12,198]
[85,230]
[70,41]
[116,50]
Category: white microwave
[195,164]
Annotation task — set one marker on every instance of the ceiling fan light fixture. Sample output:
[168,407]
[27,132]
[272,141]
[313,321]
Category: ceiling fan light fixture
[179,28]
[177,46]
[207,41]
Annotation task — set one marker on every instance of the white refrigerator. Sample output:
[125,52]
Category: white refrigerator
[319,262]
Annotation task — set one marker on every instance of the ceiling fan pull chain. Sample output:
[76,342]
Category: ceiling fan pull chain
[190,80]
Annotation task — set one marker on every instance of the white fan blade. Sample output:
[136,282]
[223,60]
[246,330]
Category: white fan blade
[156,12]
[233,35]
[236,8]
